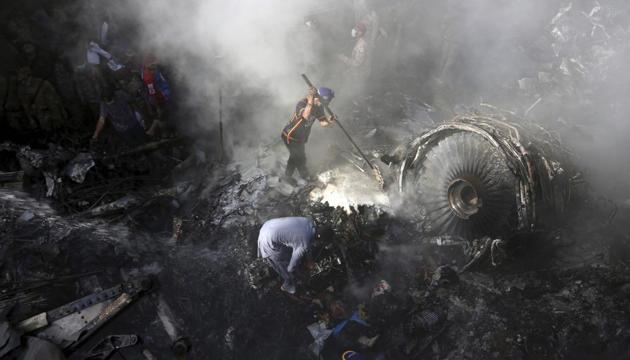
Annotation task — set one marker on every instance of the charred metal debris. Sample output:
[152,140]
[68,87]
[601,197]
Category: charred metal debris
[399,287]
[491,246]
[379,287]
[482,175]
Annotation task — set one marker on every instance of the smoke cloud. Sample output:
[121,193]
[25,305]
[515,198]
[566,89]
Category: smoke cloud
[451,54]
[250,50]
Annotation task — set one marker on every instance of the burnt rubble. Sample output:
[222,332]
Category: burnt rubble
[227,304]
[148,249]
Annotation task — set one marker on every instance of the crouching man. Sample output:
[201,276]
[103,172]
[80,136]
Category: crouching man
[284,242]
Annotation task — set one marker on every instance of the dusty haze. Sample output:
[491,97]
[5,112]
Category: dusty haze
[451,54]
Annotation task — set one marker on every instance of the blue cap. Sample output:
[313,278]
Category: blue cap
[326,94]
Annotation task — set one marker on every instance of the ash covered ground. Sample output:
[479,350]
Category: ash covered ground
[184,207]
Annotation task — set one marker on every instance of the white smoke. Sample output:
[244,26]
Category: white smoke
[242,39]
[242,47]
[448,54]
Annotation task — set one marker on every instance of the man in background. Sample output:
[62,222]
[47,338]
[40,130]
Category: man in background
[157,92]
[125,121]
[358,59]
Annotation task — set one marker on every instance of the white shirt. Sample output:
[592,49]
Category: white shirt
[295,232]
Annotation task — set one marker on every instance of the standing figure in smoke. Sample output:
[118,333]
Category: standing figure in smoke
[295,134]
[157,93]
[126,122]
[357,62]
[359,52]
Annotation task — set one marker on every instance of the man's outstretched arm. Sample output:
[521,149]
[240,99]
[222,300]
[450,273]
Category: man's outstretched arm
[297,255]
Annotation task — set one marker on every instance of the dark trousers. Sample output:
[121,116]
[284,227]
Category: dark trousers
[297,159]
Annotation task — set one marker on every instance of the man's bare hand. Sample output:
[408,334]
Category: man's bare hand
[312,95]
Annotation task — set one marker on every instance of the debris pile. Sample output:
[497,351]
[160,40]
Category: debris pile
[149,249]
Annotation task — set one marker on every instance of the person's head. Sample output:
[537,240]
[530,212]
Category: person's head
[325,94]
[358,30]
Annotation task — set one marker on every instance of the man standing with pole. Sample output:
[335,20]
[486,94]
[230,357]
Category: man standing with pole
[295,134]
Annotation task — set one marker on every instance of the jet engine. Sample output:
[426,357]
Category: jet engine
[479,175]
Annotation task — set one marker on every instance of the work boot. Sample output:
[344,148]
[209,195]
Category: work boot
[288,287]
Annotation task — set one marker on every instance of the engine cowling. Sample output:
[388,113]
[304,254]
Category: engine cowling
[480,175]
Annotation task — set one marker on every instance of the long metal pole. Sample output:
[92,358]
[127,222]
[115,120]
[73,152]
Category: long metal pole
[221,125]
[310,84]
